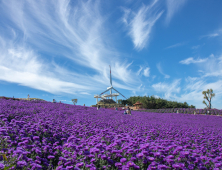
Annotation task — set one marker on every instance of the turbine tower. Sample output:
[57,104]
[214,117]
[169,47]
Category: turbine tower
[111,95]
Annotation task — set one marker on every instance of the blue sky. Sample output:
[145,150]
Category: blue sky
[61,49]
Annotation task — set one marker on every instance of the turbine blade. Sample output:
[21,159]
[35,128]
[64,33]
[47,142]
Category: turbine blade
[110,76]
[104,92]
[118,92]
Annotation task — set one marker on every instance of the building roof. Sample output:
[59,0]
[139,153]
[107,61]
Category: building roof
[138,103]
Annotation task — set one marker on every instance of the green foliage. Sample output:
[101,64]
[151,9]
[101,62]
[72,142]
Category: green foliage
[155,103]
[208,96]
[119,101]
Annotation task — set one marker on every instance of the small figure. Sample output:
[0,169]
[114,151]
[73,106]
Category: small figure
[125,112]
[129,111]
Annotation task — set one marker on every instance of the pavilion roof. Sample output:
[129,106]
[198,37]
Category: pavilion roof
[138,103]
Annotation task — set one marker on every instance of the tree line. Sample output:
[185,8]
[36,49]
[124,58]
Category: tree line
[158,103]
[150,102]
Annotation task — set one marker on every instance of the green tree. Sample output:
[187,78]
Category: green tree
[119,101]
[208,96]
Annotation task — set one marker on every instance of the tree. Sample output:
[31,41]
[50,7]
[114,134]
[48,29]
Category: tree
[74,101]
[119,101]
[208,96]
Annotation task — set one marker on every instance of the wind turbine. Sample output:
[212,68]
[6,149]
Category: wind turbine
[111,88]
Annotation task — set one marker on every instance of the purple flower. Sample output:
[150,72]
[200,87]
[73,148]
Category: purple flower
[104,157]
[202,168]
[21,163]
[86,153]
[51,157]
[93,168]
[69,167]
[79,165]
[38,166]
[133,159]
[139,155]
[122,160]
[118,165]
[110,161]
[177,166]
[2,165]
[162,167]
[92,160]
[218,165]
[68,163]
[190,166]
[151,159]
[136,167]
[36,138]
[130,164]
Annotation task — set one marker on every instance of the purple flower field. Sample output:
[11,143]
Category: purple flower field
[44,135]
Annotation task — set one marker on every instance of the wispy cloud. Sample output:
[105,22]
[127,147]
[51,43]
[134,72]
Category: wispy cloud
[191,60]
[213,67]
[167,89]
[216,33]
[161,70]
[194,87]
[140,24]
[173,6]
[195,47]
[64,30]
[175,45]
[139,71]
[146,72]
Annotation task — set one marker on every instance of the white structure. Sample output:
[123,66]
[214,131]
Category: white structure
[111,95]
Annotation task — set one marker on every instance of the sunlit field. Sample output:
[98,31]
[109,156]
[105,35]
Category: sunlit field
[44,135]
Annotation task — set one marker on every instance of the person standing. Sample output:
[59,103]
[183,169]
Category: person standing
[129,111]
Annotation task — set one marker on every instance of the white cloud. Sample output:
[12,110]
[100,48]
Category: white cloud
[140,24]
[216,33]
[193,83]
[195,47]
[167,89]
[146,72]
[75,34]
[194,88]
[126,15]
[139,71]
[175,45]
[173,6]
[213,67]
[191,60]
[161,70]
